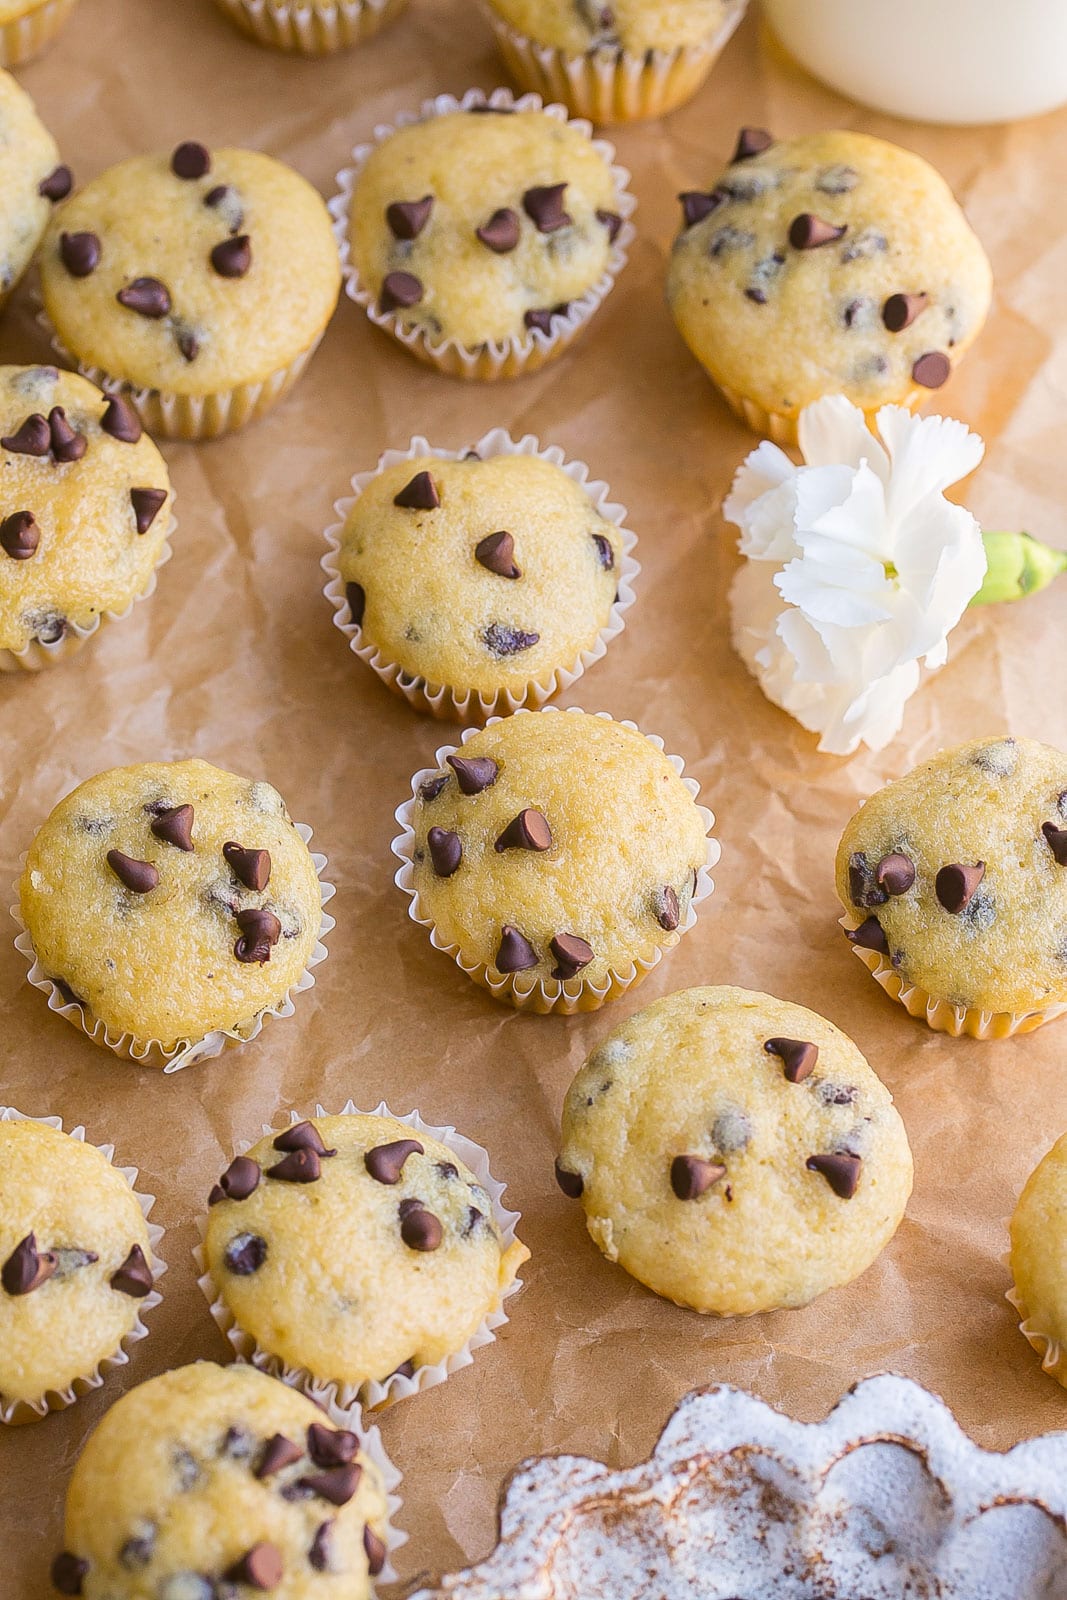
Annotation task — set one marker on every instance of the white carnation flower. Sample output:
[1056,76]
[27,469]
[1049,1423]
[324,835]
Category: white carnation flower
[857,567]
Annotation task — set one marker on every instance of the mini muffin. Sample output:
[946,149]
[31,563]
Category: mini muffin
[27,27]
[831,264]
[555,856]
[617,62]
[201,281]
[31,177]
[1038,1253]
[85,514]
[169,903]
[76,1267]
[954,880]
[311,27]
[475,585]
[735,1153]
[351,1248]
[483,235]
[211,1481]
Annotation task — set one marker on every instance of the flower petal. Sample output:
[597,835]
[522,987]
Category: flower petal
[927,454]
[832,431]
[762,469]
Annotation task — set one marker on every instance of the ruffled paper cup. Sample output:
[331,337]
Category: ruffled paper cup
[17,1412]
[26,37]
[151,1052]
[607,84]
[943,1015]
[311,30]
[472,705]
[1049,1349]
[373,1395]
[494,359]
[542,996]
[782,428]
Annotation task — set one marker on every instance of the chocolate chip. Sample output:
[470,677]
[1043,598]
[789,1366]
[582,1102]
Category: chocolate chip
[430,788]
[278,1452]
[400,290]
[543,204]
[331,1447]
[838,179]
[407,218]
[70,1259]
[865,245]
[250,867]
[419,1228]
[67,443]
[188,344]
[260,932]
[261,1567]
[57,185]
[337,1484]
[446,851]
[137,1552]
[900,310]
[319,1553]
[503,640]
[571,953]
[1057,841]
[303,1136]
[931,370]
[870,935]
[841,1171]
[692,1176]
[474,773]
[147,296]
[501,233]
[224,197]
[541,318]
[572,1183]
[798,1057]
[696,205]
[515,953]
[604,551]
[26,1268]
[299,1166]
[836,1094]
[240,1180]
[808,232]
[612,222]
[375,1550]
[134,1277]
[175,826]
[385,1162]
[244,1255]
[751,142]
[668,912]
[140,876]
[895,873]
[955,885]
[67,1573]
[19,535]
[32,438]
[420,494]
[147,504]
[528,831]
[496,552]
[862,889]
[356,596]
[406,1369]
[231,258]
[190,160]
[79,253]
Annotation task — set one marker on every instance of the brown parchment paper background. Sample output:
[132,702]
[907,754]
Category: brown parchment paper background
[236,659]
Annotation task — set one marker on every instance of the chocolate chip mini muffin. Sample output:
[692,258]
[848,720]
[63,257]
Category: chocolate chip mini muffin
[78,1261]
[479,581]
[220,1481]
[32,179]
[482,233]
[1038,1252]
[617,62]
[733,1152]
[311,27]
[169,908]
[361,1253]
[198,283]
[85,513]
[555,856]
[27,27]
[831,264]
[954,880]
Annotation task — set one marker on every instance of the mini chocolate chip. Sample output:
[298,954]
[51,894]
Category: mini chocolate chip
[446,851]
[751,142]
[250,867]
[134,1276]
[336,1484]
[385,1162]
[862,889]
[541,318]
[839,179]
[692,1176]
[604,551]
[175,826]
[895,873]
[612,222]
[218,195]
[502,640]
[26,1268]
[32,438]
[188,344]
[668,912]
[147,296]
[900,310]
[528,831]
[870,935]
[240,1180]
[419,1228]
[260,932]
[474,773]
[261,1567]
[190,160]
[137,1552]
[571,953]
[147,504]
[70,1259]
[303,1136]
[319,1553]
[420,494]
[431,787]
[244,1255]
[406,1369]
[696,205]
[231,258]
[331,1447]
[67,1573]
[407,218]
[515,953]
[20,535]
[931,370]
[299,1166]
[496,552]
[57,185]
[278,1452]
[841,1170]
[543,204]
[501,233]
[140,876]
[356,596]
[400,291]
[1056,839]
[955,885]
[572,1183]
[79,253]
[375,1550]
[67,443]
[798,1057]
[808,232]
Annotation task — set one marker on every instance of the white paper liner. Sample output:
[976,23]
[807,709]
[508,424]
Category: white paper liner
[609,84]
[186,1052]
[493,359]
[15,1412]
[782,429]
[474,705]
[1049,1349]
[942,1015]
[545,995]
[373,1395]
[311,30]
[25,37]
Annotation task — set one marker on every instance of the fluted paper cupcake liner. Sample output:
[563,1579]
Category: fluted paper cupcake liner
[151,1052]
[495,358]
[311,30]
[942,1015]
[471,705]
[25,37]
[1049,1349]
[782,429]
[17,1412]
[545,995]
[374,1395]
[609,84]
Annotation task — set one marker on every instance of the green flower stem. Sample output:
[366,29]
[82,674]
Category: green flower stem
[1018,565]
